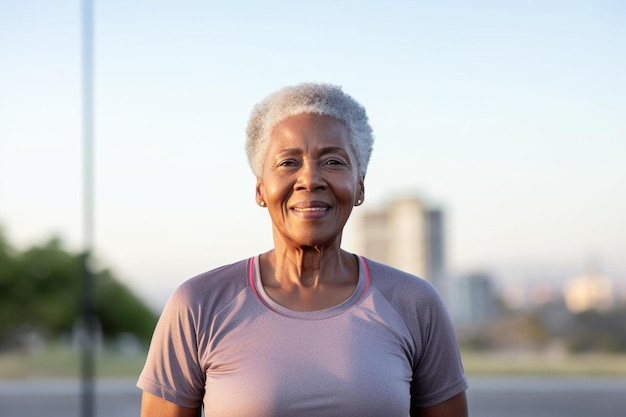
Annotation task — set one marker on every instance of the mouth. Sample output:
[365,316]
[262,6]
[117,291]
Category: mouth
[311,208]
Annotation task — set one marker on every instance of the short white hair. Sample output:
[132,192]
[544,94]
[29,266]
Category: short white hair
[316,98]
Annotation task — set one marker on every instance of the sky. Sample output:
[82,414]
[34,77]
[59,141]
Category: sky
[507,115]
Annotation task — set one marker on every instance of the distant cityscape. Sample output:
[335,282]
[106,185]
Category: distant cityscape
[409,234]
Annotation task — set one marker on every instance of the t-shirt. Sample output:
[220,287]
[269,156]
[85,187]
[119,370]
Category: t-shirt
[222,341]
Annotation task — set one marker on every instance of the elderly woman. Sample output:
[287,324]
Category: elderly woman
[305,329]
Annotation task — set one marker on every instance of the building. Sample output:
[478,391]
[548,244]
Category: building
[408,235]
[473,300]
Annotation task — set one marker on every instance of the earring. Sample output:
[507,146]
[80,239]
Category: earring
[262,203]
[358,202]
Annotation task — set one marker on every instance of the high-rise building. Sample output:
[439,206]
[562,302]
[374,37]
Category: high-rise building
[472,300]
[406,234]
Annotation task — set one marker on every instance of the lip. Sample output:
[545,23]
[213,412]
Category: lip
[310,209]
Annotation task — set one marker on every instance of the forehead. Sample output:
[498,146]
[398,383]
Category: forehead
[310,130]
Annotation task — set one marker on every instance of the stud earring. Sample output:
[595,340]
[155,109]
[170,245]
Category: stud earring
[262,203]
[358,202]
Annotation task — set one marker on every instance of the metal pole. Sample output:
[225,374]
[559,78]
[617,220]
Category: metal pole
[89,316]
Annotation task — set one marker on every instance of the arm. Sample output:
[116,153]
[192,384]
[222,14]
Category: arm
[454,407]
[153,406]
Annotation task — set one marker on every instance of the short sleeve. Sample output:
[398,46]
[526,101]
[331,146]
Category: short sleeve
[438,372]
[172,370]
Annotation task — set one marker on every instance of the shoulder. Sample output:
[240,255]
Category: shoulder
[416,300]
[210,288]
[397,284]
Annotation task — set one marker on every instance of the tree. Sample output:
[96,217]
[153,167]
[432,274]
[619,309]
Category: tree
[599,331]
[40,288]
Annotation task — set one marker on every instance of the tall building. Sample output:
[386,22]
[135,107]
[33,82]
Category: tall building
[473,300]
[406,234]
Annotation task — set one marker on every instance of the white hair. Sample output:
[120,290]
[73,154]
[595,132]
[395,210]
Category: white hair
[323,99]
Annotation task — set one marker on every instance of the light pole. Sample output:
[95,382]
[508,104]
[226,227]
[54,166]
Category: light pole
[88,296]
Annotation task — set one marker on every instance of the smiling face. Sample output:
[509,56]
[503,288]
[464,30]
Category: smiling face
[309,180]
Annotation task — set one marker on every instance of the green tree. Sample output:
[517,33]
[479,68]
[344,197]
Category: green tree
[41,288]
[8,271]
[119,310]
[599,331]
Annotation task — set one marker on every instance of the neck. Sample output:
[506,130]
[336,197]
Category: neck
[309,278]
[306,267]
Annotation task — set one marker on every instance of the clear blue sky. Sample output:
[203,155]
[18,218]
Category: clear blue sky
[510,115]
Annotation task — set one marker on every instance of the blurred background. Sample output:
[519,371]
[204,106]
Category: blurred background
[498,174]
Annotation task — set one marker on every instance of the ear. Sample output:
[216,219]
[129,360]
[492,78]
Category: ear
[260,199]
[360,194]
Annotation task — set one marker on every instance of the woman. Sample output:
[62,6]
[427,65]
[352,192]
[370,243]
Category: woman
[305,329]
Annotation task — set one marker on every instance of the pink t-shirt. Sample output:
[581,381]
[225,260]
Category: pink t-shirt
[222,341]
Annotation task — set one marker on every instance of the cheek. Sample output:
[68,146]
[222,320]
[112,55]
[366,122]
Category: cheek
[273,190]
[352,186]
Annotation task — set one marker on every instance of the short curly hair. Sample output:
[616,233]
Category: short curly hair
[316,98]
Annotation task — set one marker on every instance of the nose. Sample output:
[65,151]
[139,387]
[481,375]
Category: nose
[310,177]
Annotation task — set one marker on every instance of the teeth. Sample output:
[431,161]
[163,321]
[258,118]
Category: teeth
[310,209]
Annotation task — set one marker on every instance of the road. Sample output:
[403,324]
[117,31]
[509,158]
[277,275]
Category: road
[488,397]
[547,396]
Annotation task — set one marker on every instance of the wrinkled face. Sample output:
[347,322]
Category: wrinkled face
[309,180]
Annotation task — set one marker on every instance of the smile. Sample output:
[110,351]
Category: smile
[309,209]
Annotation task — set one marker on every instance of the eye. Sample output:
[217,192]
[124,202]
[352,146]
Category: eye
[287,163]
[335,161]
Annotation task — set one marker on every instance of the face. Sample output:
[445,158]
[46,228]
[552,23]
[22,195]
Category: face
[310,180]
